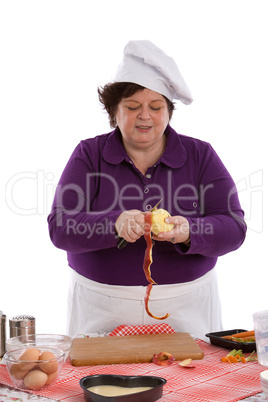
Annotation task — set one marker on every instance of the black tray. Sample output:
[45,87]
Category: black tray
[215,339]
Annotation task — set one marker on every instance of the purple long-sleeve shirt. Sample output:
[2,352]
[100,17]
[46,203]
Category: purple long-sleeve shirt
[100,181]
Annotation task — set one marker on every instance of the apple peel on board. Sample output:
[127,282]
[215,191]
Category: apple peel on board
[163,359]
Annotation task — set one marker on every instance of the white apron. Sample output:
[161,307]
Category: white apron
[93,307]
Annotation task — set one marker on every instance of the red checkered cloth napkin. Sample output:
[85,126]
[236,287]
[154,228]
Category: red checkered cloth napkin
[210,380]
[124,330]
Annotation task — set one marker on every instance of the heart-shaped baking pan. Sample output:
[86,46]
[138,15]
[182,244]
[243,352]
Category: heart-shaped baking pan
[153,393]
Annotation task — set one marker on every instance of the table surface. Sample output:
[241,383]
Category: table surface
[8,394]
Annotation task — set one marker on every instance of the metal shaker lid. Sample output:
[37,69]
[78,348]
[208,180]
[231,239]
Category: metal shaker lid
[22,321]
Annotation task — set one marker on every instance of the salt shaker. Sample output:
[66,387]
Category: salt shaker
[22,325]
[2,334]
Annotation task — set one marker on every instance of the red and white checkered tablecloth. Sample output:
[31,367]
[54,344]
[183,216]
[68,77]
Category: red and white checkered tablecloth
[210,380]
[124,330]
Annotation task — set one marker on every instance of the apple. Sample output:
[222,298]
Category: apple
[187,363]
[158,221]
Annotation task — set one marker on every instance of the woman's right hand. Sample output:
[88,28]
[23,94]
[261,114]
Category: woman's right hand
[130,225]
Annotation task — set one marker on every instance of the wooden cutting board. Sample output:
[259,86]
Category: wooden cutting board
[132,348]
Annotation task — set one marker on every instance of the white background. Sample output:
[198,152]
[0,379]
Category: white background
[54,55]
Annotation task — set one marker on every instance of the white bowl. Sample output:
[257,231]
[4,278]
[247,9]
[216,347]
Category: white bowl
[264,381]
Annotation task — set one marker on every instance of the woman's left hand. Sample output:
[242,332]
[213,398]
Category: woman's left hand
[179,234]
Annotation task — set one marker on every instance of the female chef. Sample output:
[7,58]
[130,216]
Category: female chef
[109,183]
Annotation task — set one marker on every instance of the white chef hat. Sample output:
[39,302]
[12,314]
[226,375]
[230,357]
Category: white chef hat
[147,65]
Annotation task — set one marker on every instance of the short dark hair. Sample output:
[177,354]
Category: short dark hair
[111,95]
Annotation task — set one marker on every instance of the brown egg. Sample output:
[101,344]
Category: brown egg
[48,367]
[16,372]
[35,379]
[51,377]
[29,355]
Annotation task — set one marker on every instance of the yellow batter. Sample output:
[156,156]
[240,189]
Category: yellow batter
[114,390]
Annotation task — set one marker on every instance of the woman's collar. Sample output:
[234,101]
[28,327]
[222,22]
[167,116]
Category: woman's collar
[174,156]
